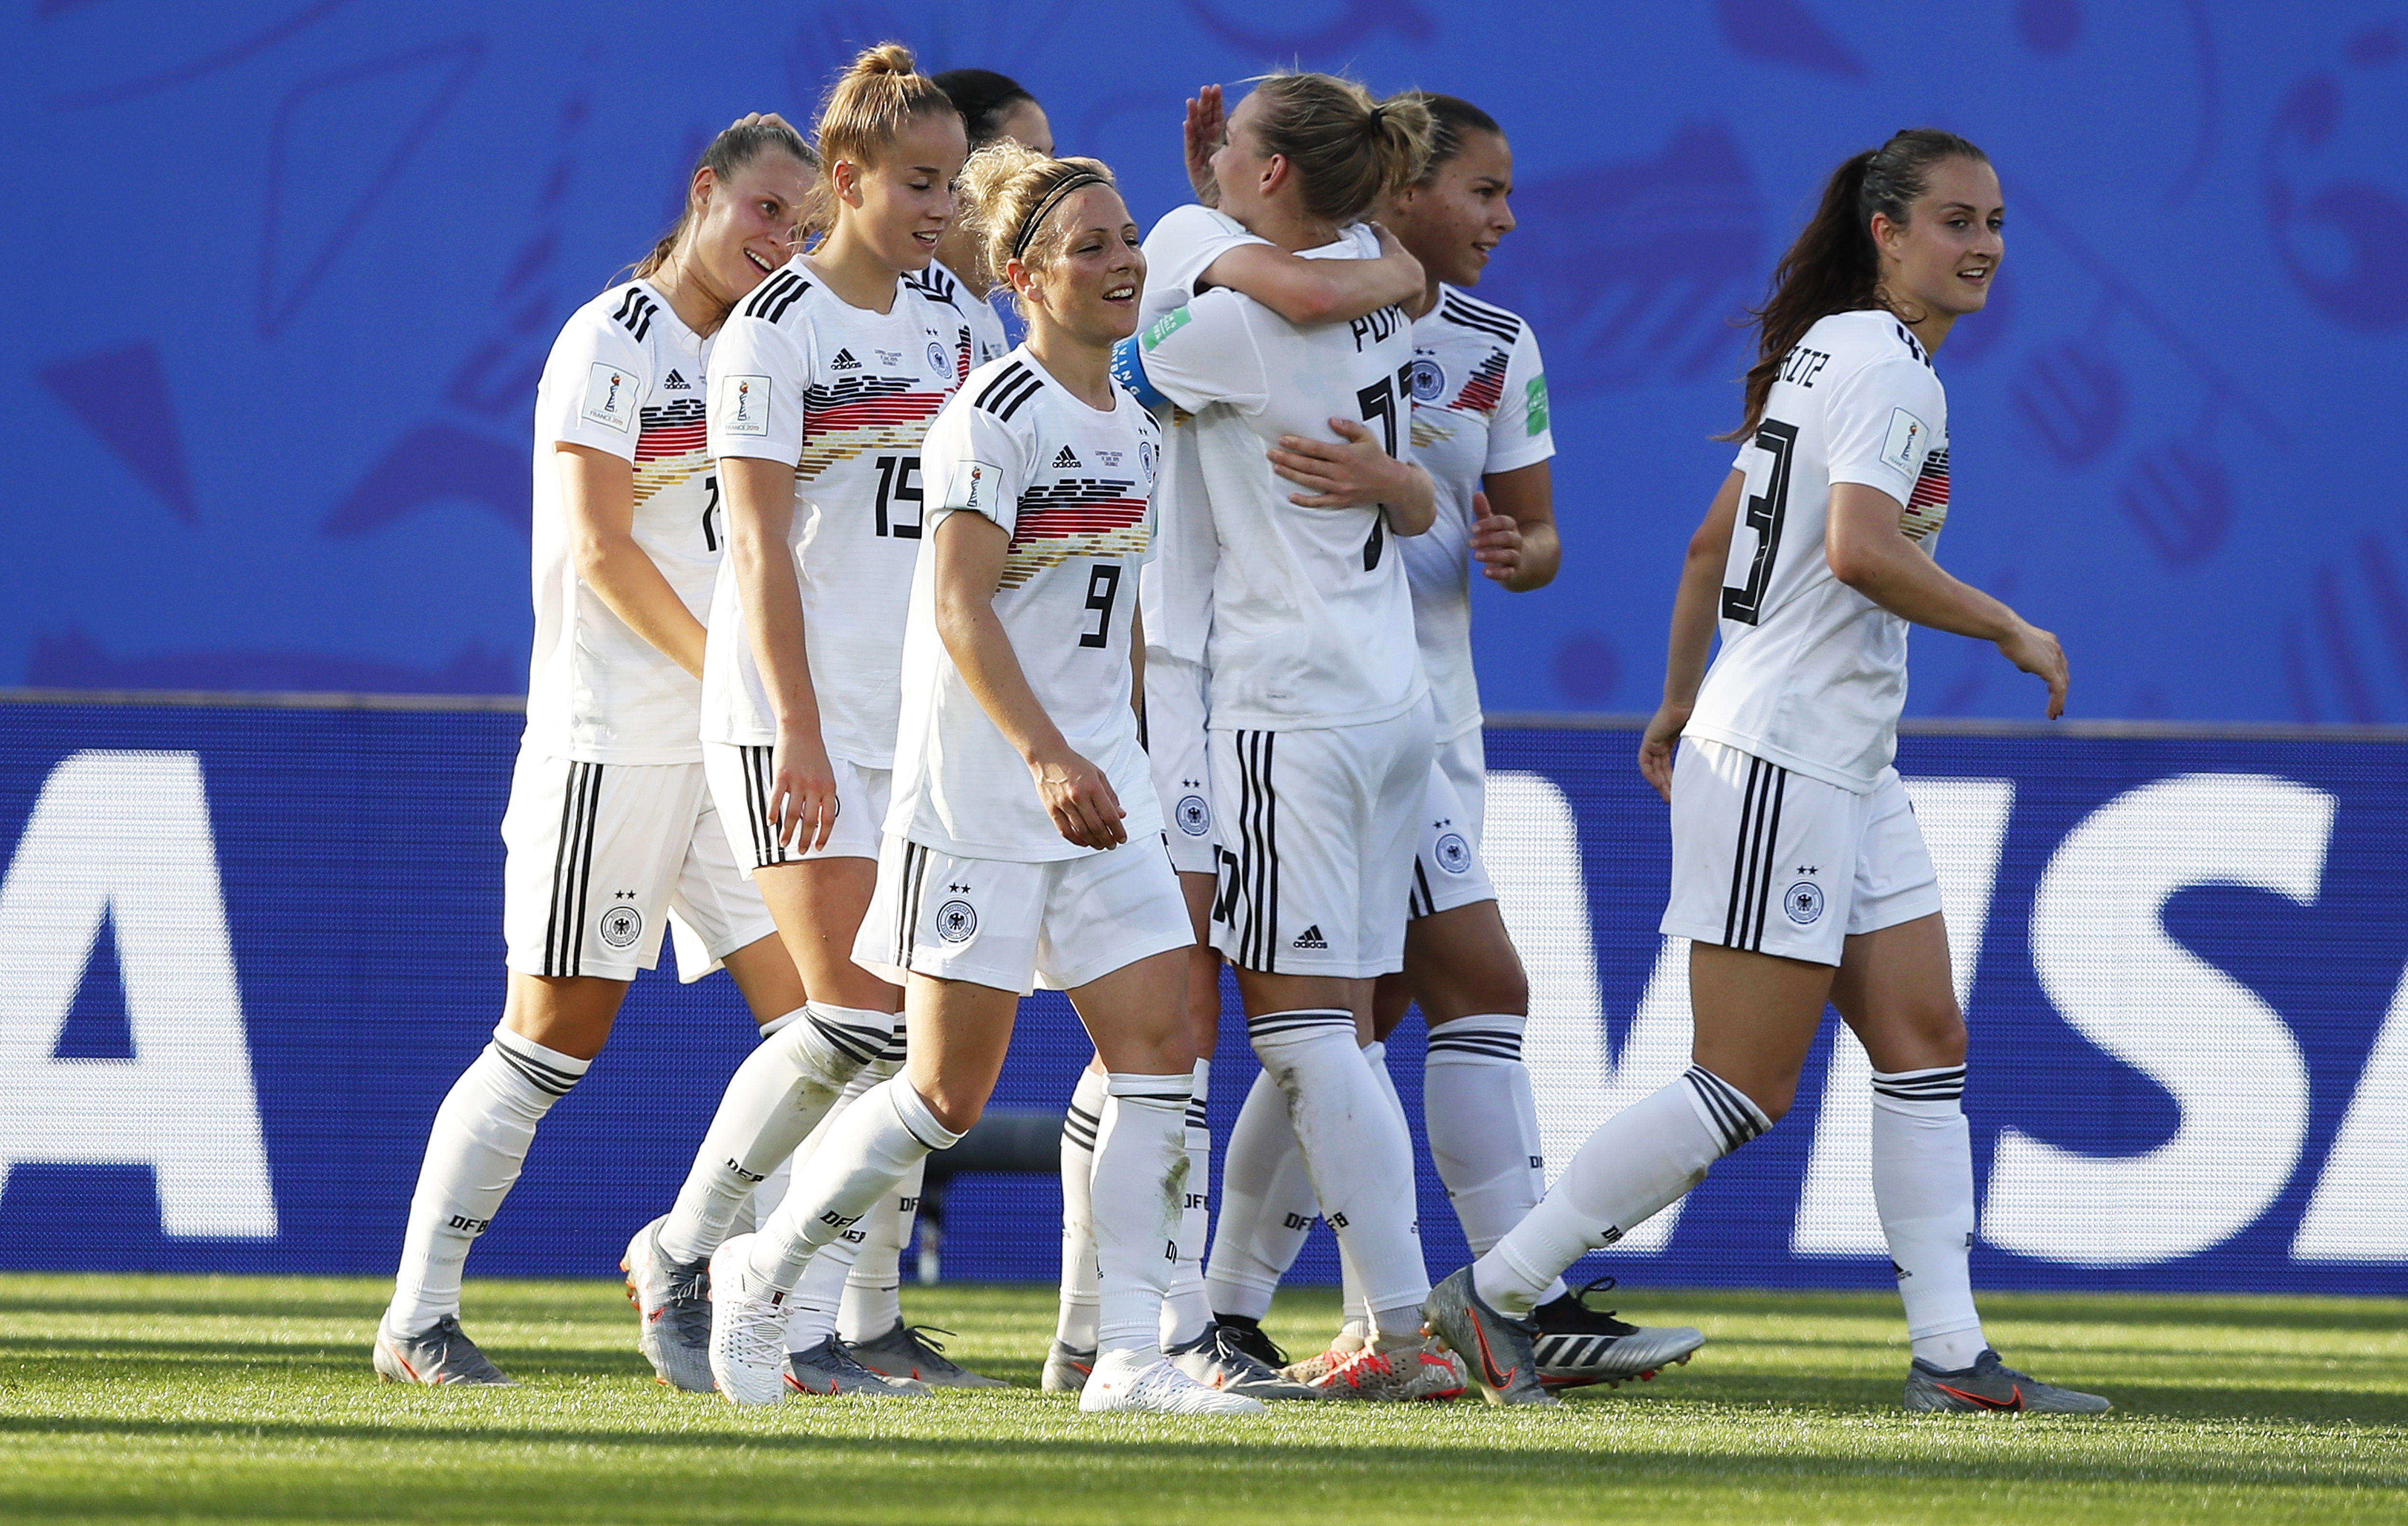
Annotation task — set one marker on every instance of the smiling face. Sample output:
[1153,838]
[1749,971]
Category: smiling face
[1453,220]
[897,205]
[1085,271]
[744,226]
[1943,259]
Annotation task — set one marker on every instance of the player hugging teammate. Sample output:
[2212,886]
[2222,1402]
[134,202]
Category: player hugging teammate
[1144,647]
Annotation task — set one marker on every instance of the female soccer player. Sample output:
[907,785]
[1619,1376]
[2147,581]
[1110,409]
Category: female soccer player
[609,826]
[1320,728]
[869,1320]
[1023,844]
[994,106]
[1196,248]
[1798,870]
[1480,420]
[827,378]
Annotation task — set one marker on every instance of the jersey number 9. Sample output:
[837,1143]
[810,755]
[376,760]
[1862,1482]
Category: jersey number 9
[1103,588]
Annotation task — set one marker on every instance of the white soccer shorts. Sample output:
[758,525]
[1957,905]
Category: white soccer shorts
[1771,861]
[1465,760]
[1015,927]
[739,785]
[1447,869]
[598,854]
[1175,708]
[1317,840]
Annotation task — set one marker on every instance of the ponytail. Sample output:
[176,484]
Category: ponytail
[1348,151]
[877,95]
[1834,266]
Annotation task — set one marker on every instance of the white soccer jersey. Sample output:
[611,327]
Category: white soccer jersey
[1312,620]
[1177,585]
[1811,673]
[1071,486]
[846,394]
[626,376]
[1480,406]
[987,341]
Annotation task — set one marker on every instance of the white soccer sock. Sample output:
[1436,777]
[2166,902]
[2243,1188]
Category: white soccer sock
[1923,1187]
[1185,1311]
[1140,1183]
[863,1155]
[814,1310]
[873,1289]
[473,1154]
[1266,1207]
[1353,1135]
[782,1088]
[1483,1126]
[1075,1326]
[1363,1319]
[1638,1161]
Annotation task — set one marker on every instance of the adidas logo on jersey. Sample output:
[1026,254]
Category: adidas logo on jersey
[1310,938]
[844,361]
[1067,460]
[676,383]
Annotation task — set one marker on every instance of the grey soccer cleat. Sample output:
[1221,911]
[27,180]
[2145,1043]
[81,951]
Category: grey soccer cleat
[905,1352]
[828,1368]
[672,1303]
[1577,1345]
[1991,1385]
[1067,1369]
[438,1358]
[1498,1353]
[1217,1360]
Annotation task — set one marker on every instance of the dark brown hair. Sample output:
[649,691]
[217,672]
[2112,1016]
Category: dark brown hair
[982,96]
[1453,119]
[730,151]
[1834,267]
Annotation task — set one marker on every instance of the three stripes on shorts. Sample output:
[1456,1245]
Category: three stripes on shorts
[1752,864]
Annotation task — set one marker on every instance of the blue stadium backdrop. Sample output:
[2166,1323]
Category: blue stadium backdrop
[271,402]
[249,948]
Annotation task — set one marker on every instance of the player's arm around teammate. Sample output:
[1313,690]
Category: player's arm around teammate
[607,829]
[1797,871]
[1023,844]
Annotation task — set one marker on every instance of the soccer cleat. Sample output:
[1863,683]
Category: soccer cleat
[1498,1352]
[1216,1359]
[1990,1385]
[829,1368]
[672,1303]
[1403,1375]
[1067,1369]
[438,1358]
[1576,1345]
[1123,1381]
[1249,1338]
[905,1352]
[748,1330]
[1313,1368]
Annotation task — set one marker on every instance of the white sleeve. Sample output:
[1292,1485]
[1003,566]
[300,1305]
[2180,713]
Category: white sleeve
[1520,434]
[1183,245]
[758,371]
[974,462]
[1882,419]
[593,386]
[1206,352]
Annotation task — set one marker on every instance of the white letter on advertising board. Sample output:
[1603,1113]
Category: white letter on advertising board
[2103,956]
[125,837]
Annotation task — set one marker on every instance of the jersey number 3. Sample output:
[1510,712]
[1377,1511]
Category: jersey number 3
[1744,602]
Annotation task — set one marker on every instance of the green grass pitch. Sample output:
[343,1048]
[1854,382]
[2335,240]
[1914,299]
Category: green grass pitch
[138,1399]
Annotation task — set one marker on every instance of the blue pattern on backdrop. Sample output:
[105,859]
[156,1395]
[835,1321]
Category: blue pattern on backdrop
[272,411]
[361,873]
